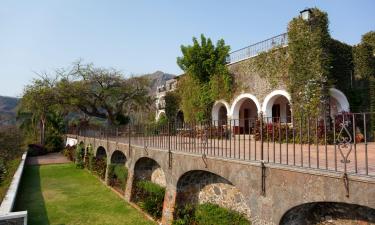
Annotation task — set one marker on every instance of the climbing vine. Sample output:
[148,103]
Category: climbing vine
[310,62]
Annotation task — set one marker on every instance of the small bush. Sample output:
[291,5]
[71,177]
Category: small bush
[99,166]
[54,143]
[150,197]
[117,174]
[3,170]
[79,154]
[68,152]
[208,214]
[36,150]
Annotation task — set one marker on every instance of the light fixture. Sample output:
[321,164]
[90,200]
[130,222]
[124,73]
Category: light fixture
[306,14]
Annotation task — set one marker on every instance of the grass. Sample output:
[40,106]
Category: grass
[61,194]
[12,166]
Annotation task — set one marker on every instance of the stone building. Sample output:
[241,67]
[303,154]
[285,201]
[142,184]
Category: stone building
[255,93]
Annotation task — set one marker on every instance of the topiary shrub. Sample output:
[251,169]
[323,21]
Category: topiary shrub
[150,197]
[208,214]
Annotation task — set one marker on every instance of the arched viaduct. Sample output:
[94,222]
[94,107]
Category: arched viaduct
[267,194]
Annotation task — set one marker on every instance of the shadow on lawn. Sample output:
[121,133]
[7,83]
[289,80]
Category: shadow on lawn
[30,197]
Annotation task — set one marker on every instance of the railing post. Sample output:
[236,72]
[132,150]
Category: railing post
[261,138]
[169,147]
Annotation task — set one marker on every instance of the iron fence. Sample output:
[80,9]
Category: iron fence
[257,48]
[344,143]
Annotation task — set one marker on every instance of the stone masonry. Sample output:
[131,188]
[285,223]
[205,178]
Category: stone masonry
[237,184]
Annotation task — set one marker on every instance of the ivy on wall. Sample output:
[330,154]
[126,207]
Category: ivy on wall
[310,62]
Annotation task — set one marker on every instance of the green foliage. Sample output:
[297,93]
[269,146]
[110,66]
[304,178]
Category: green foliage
[203,60]
[310,61]
[80,152]
[172,103]
[150,197]
[272,65]
[117,174]
[369,39]
[208,214]
[364,61]
[196,99]
[69,152]
[3,170]
[102,93]
[206,77]
[99,166]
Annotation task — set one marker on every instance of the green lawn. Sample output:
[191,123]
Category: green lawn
[62,194]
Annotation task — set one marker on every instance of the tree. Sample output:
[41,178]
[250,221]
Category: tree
[103,93]
[171,105]
[206,77]
[38,100]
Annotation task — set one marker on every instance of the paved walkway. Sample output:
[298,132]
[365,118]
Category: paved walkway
[51,158]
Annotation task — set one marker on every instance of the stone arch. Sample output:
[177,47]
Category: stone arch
[148,169]
[336,212]
[118,157]
[220,111]
[282,99]
[338,101]
[244,107]
[199,186]
[159,113]
[100,152]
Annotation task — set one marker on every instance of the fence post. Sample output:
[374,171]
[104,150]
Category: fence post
[169,147]
[261,137]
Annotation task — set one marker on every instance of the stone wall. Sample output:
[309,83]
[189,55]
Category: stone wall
[238,184]
[199,187]
[329,213]
[248,80]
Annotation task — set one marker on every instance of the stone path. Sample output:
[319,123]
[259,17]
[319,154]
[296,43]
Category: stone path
[51,158]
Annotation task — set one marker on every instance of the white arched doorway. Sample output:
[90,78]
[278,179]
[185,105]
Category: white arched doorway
[276,105]
[337,102]
[159,113]
[220,112]
[244,111]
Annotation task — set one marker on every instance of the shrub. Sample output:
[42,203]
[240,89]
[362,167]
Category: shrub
[208,214]
[3,170]
[36,150]
[99,166]
[79,154]
[117,174]
[69,152]
[54,143]
[150,197]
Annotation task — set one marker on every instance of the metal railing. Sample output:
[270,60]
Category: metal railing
[344,143]
[257,48]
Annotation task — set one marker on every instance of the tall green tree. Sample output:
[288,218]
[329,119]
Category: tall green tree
[38,100]
[206,77]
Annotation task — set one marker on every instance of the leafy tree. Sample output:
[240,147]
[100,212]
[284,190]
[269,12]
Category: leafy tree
[103,93]
[171,105]
[206,77]
[38,101]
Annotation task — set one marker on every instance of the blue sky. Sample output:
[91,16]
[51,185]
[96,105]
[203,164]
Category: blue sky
[141,36]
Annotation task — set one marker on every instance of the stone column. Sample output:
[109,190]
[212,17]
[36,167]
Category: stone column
[129,185]
[169,204]
[106,179]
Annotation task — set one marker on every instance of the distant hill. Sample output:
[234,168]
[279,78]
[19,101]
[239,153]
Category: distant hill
[8,110]
[158,78]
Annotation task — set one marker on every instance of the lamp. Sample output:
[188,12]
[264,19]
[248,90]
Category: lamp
[306,14]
